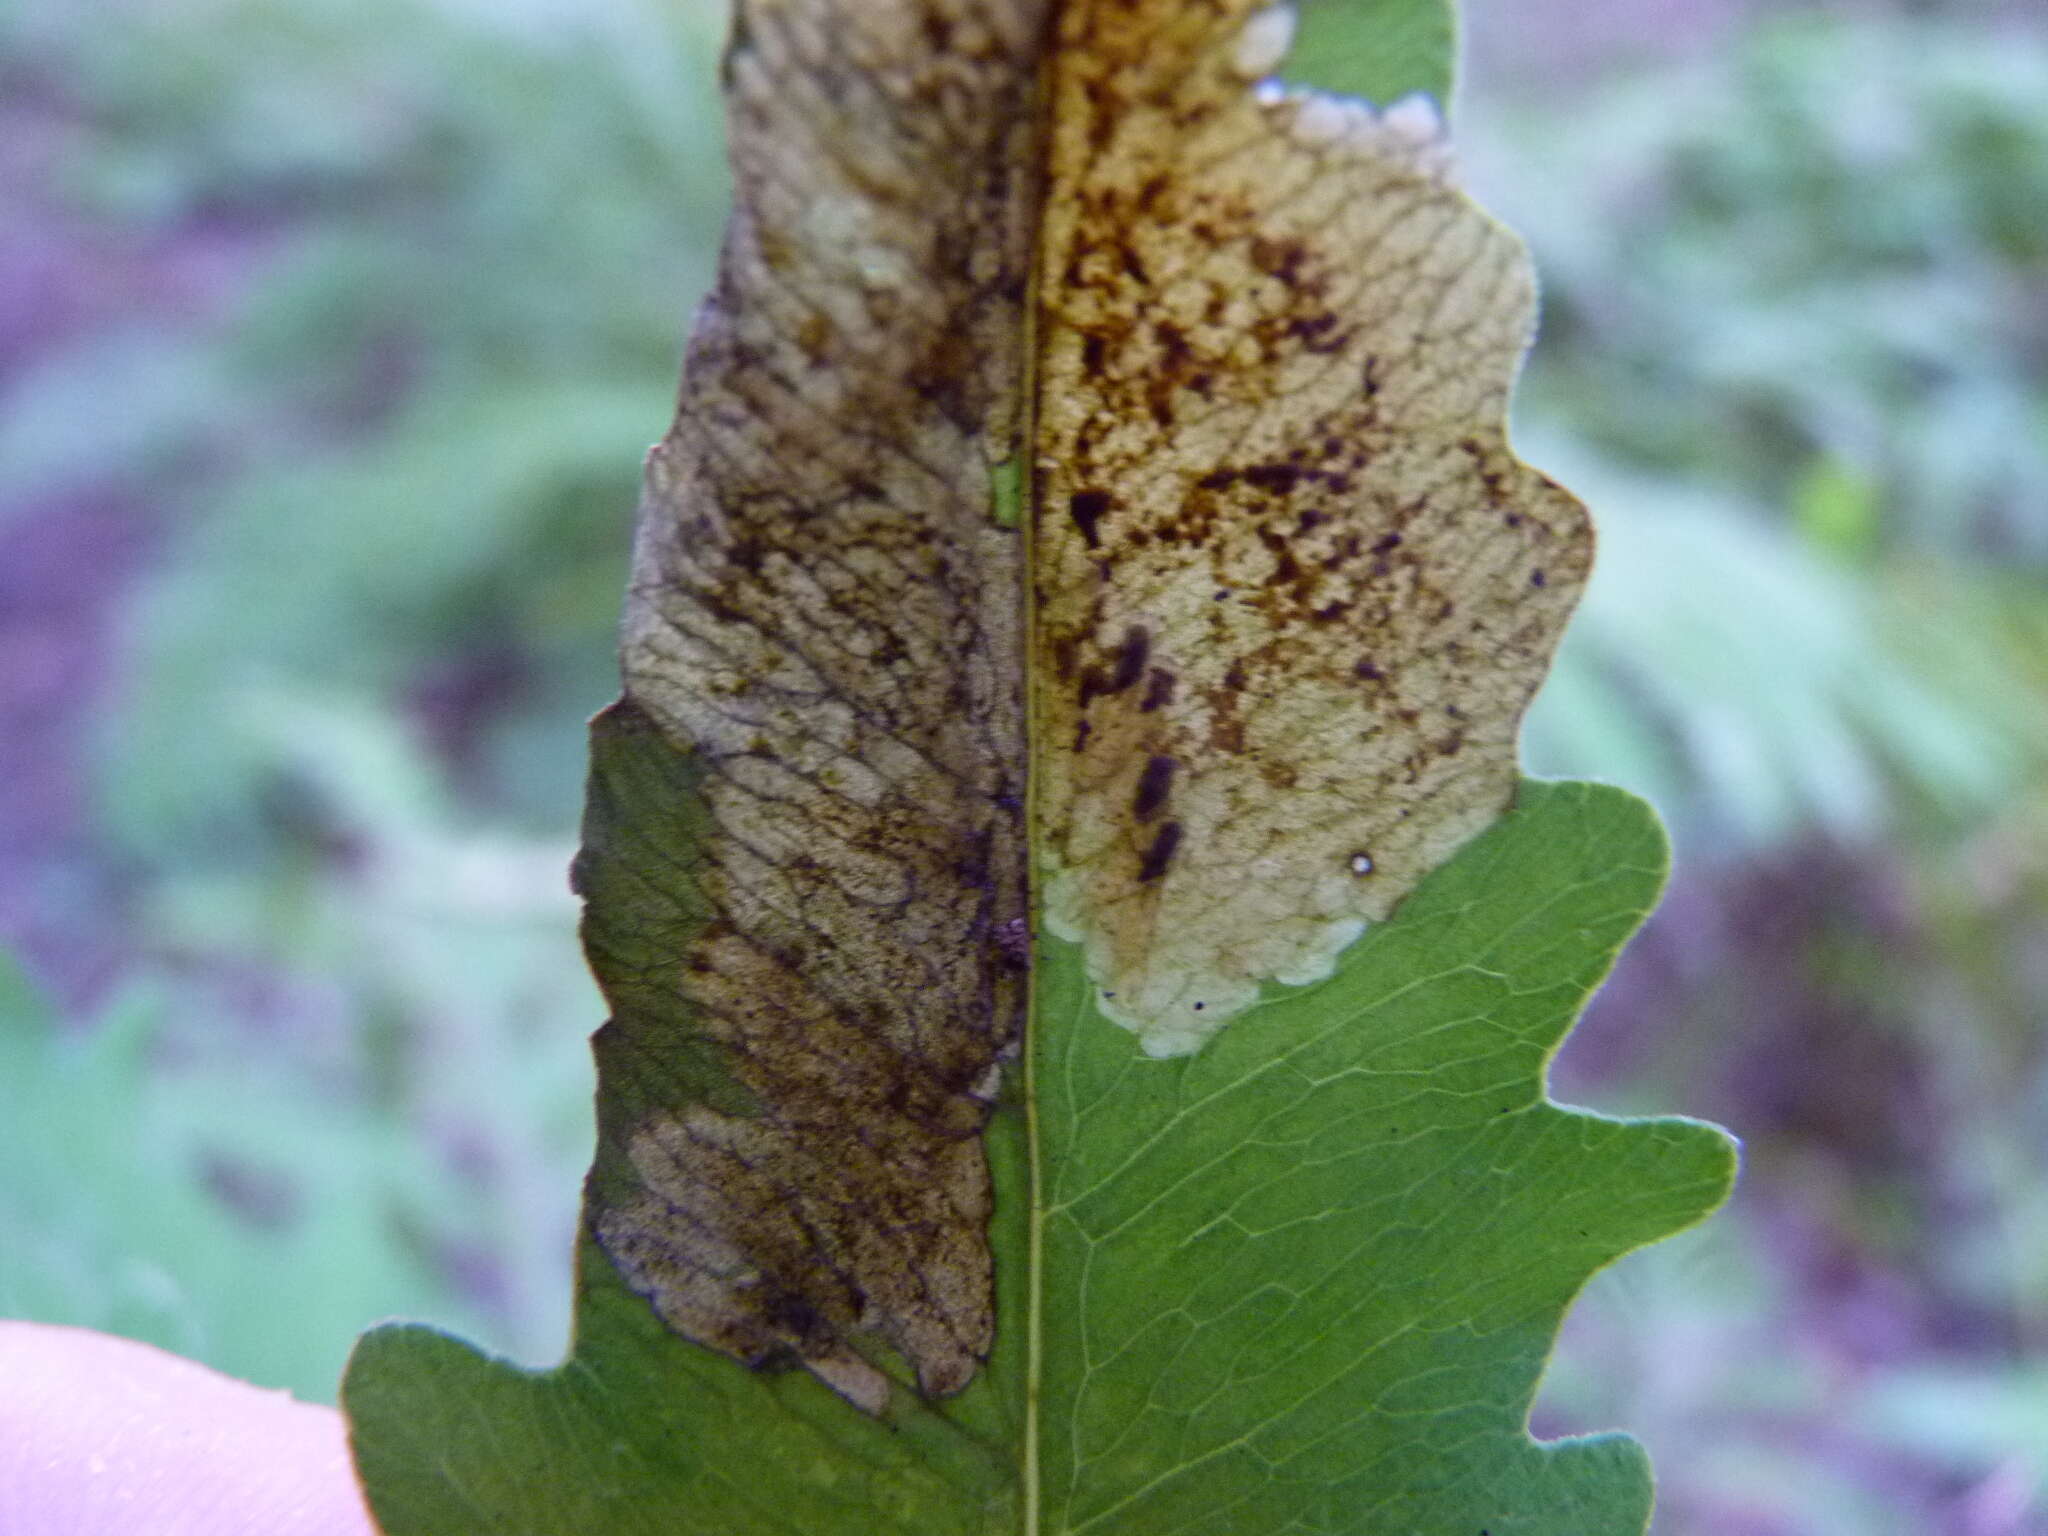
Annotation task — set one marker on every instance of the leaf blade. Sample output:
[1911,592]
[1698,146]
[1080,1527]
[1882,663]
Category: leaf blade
[670,1427]
[1269,1427]
[1506,984]
[1381,50]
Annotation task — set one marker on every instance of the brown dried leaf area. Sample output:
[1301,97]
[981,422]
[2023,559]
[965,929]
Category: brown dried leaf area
[825,618]
[1293,590]
[1289,596]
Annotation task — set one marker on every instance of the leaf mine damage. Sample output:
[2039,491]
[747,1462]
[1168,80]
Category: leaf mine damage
[1289,594]
[1275,352]
[825,624]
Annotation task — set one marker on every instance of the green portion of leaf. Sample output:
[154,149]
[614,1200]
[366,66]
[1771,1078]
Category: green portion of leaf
[1006,491]
[1306,1280]
[636,872]
[175,1201]
[1301,1282]
[1379,49]
[642,1432]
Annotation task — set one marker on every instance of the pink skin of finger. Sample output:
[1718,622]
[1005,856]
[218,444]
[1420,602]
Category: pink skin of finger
[99,1435]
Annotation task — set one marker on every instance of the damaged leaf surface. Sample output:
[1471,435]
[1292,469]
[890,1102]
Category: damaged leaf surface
[1291,595]
[827,620]
[1088,484]
[1301,1283]
[1293,591]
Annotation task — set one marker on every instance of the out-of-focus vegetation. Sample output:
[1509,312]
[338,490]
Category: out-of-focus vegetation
[356,318]
[1794,350]
[330,338]
[1796,355]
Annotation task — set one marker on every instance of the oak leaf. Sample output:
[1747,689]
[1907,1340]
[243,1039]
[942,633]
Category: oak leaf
[1086,585]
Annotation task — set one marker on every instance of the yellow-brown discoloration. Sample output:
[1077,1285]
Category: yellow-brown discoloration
[1293,591]
[1292,594]
[824,614]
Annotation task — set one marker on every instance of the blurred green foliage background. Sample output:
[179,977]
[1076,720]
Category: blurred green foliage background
[331,335]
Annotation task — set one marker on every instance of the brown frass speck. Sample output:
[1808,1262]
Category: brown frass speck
[1155,783]
[1159,853]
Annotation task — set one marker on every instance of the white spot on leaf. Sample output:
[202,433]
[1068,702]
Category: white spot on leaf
[1321,120]
[1415,117]
[1264,42]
